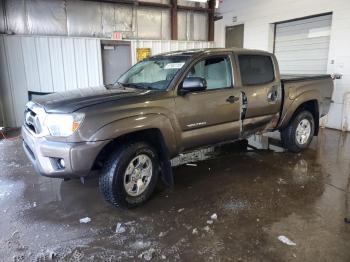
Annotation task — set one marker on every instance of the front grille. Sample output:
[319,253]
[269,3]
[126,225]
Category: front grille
[34,116]
[30,119]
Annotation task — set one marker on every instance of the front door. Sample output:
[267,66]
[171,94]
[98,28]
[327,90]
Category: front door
[209,116]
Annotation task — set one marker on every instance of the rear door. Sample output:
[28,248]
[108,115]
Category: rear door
[261,92]
[212,115]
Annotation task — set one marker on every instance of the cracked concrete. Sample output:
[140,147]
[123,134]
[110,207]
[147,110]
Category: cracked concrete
[258,195]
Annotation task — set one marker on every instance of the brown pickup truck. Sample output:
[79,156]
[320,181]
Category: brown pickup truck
[165,105]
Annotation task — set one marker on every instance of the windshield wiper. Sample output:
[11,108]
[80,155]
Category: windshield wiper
[136,86]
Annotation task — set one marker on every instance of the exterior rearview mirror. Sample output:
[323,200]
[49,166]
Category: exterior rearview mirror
[193,84]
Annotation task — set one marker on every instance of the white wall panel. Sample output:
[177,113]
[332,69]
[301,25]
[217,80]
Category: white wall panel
[31,64]
[44,64]
[93,55]
[57,66]
[81,63]
[6,96]
[69,63]
[17,77]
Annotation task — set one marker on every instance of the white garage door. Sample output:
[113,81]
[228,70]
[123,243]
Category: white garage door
[302,46]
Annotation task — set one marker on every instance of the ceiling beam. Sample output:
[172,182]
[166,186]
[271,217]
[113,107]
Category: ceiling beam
[211,20]
[151,4]
[193,8]
[124,2]
[133,2]
[173,20]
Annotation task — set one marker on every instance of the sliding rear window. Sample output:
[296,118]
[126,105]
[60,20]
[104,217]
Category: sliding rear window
[256,69]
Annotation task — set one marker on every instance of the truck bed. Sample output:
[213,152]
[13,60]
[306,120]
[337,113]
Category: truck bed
[305,87]
[299,77]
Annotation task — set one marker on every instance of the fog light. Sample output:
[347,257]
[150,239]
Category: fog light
[62,163]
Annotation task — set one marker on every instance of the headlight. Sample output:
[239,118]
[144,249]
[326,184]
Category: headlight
[63,124]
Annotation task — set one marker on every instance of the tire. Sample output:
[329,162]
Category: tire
[290,136]
[117,175]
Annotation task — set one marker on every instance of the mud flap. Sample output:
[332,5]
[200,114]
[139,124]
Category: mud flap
[166,170]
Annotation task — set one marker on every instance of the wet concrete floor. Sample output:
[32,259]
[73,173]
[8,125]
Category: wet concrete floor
[258,195]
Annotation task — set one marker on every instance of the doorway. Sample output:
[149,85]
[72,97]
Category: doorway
[234,36]
[116,60]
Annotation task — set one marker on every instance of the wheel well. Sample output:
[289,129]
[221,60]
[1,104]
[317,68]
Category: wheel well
[312,107]
[152,136]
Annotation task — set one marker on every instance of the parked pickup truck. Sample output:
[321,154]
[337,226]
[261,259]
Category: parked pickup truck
[165,105]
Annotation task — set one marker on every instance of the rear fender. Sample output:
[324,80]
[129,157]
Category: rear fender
[291,105]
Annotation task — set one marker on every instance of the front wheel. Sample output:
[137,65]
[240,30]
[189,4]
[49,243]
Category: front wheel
[298,134]
[130,175]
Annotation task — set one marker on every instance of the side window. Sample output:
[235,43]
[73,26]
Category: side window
[216,71]
[256,69]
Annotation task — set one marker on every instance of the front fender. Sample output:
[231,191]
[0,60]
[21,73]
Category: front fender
[291,105]
[137,123]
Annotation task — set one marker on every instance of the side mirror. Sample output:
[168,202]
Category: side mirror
[193,84]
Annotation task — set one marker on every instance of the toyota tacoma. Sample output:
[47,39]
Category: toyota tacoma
[165,105]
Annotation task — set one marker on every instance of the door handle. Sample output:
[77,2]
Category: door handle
[272,96]
[232,99]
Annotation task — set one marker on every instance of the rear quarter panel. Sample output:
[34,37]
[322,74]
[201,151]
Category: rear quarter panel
[298,92]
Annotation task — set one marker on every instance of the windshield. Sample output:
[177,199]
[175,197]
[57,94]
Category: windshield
[153,73]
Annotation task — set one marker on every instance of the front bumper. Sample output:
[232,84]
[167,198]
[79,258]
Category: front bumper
[44,155]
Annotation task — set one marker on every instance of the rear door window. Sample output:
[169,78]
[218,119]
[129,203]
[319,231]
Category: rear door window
[256,69]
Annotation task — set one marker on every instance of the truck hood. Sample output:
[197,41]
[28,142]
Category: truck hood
[70,101]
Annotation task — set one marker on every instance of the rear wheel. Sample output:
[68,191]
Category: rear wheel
[130,175]
[298,134]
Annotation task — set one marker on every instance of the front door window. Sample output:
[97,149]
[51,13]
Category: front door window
[216,71]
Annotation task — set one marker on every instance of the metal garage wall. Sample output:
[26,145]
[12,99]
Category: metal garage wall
[2,17]
[302,46]
[158,47]
[192,26]
[44,64]
[98,19]
[53,64]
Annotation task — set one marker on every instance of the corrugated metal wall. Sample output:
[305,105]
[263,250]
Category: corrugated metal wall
[44,64]
[96,19]
[2,17]
[54,64]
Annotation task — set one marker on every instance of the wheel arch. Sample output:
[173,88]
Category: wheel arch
[310,105]
[152,136]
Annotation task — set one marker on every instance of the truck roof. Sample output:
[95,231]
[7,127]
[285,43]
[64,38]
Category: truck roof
[200,51]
